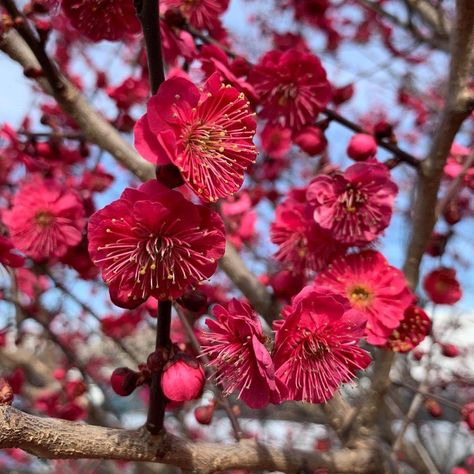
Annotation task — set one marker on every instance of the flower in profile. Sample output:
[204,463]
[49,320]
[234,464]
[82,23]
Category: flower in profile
[45,219]
[236,349]
[442,286]
[207,134]
[154,242]
[373,287]
[355,206]
[102,19]
[303,244]
[413,328]
[202,14]
[292,87]
[316,345]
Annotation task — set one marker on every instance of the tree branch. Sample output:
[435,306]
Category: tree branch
[50,438]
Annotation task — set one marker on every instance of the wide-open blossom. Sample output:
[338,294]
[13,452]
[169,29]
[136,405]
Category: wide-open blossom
[373,287]
[154,242]
[355,206]
[102,19]
[442,286]
[413,328]
[292,87]
[207,134]
[316,346]
[303,244]
[236,349]
[45,219]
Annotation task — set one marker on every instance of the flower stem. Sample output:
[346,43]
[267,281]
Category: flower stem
[156,409]
[148,14]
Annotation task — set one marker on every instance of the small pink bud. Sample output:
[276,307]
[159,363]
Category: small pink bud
[468,415]
[124,381]
[433,408]
[449,350]
[361,147]
[182,380]
[311,140]
[204,414]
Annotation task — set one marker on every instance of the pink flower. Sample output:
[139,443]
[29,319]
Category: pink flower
[373,287]
[207,134]
[355,207]
[202,14]
[45,220]
[153,242]
[102,19]
[235,347]
[292,87]
[302,243]
[316,345]
[442,286]
[182,380]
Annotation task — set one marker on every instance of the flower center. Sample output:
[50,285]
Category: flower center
[351,199]
[313,347]
[44,219]
[207,139]
[360,296]
[286,93]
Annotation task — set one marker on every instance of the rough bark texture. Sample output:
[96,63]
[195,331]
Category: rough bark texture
[50,438]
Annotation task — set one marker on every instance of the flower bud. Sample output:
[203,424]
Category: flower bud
[361,147]
[449,350]
[183,379]
[311,140]
[156,360]
[124,381]
[433,408]
[204,414]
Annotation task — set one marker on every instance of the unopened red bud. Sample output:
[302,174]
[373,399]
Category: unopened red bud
[174,18]
[449,350]
[362,147]
[452,213]
[418,355]
[124,381]
[437,244]
[169,175]
[433,408]
[6,392]
[182,381]
[311,140]
[101,80]
[32,72]
[195,301]
[204,414]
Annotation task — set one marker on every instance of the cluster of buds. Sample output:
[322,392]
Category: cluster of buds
[182,377]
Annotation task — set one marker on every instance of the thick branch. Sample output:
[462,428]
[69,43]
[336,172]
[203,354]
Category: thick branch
[458,106]
[57,439]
